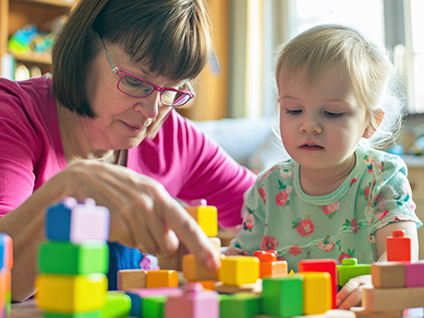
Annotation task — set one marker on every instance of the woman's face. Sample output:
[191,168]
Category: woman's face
[122,121]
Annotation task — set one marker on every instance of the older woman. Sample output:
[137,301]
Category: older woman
[103,126]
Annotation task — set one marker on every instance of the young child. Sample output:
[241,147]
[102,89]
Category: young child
[338,196]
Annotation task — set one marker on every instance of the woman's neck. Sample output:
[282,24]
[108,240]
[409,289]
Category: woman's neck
[319,182]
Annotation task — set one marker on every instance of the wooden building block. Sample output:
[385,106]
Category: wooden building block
[241,305]
[239,270]
[86,314]
[398,247]
[269,266]
[380,299]
[255,288]
[174,261]
[283,296]
[162,278]
[414,274]
[71,293]
[322,265]
[153,307]
[317,292]
[62,257]
[207,218]
[360,312]
[388,275]
[350,269]
[6,251]
[131,279]
[194,303]
[194,271]
[118,304]
[77,222]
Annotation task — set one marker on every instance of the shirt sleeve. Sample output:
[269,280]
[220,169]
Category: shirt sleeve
[211,174]
[390,198]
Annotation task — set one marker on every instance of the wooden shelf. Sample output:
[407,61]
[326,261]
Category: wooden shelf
[56,3]
[32,57]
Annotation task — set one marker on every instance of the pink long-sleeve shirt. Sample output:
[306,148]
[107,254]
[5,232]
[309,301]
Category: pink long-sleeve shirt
[186,162]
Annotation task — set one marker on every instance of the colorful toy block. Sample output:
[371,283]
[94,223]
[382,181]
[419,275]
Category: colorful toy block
[207,284]
[68,294]
[317,292]
[77,222]
[206,217]
[322,265]
[414,274]
[61,257]
[360,312]
[388,275]
[194,303]
[242,305]
[6,251]
[194,271]
[350,269]
[118,304]
[137,295]
[255,288]
[239,270]
[269,265]
[282,296]
[5,289]
[379,299]
[161,278]
[153,307]
[86,314]
[398,247]
[131,279]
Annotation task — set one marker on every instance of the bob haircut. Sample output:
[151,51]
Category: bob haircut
[359,62]
[172,38]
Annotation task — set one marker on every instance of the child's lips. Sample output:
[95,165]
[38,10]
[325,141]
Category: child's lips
[311,147]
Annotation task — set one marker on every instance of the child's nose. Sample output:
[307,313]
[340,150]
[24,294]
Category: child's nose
[311,126]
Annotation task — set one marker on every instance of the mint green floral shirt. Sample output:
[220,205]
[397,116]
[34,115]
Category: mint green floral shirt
[279,216]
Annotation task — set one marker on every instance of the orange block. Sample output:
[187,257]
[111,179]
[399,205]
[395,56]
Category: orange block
[398,247]
[161,278]
[5,284]
[207,284]
[193,271]
[269,266]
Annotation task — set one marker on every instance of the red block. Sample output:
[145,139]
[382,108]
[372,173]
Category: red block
[398,247]
[322,265]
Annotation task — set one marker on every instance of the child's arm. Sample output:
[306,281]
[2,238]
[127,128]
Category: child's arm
[351,293]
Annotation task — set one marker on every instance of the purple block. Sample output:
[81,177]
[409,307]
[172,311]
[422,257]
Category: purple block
[194,303]
[414,274]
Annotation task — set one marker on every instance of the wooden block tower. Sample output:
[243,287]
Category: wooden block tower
[74,260]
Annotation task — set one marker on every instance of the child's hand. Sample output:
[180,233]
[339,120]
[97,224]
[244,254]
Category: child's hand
[351,293]
[235,251]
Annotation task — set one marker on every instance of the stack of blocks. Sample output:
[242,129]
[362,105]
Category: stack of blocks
[74,260]
[6,264]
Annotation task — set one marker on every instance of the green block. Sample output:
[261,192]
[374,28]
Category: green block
[86,314]
[153,307]
[240,305]
[118,304]
[350,269]
[57,257]
[282,296]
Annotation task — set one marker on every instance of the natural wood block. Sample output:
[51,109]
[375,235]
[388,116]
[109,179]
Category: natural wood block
[131,279]
[380,299]
[388,275]
[255,288]
[361,312]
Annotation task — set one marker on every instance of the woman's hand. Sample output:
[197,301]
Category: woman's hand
[351,293]
[143,214]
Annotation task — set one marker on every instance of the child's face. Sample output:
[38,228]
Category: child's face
[322,124]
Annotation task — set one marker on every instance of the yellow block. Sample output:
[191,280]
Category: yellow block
[317,293]
[239,270]
[207,217]
[68,294]
[162,278]
[193,271]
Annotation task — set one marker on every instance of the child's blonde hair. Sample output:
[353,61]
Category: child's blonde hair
[359,62]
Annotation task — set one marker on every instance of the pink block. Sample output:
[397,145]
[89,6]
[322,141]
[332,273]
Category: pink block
[414,274]
[160,291]
[82,219]
[194,303]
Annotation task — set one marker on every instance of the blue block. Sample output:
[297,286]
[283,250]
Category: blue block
[4,251]
[135,304]
[58,222]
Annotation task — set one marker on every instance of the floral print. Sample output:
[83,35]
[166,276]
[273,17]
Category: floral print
[331,209]
[262,194]
[326,245]
[303,227]
[295,250]
[282,197]
[269,243]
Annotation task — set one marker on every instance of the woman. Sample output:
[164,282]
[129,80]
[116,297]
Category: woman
[103,126]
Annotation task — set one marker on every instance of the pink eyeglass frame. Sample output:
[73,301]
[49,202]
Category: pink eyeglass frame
[116,70]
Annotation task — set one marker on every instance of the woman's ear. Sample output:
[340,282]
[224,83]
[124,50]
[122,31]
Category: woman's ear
[373,124]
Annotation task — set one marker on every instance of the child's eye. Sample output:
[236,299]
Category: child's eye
[332,115]
[293,112]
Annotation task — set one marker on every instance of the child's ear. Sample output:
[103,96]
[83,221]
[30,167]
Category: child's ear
[373,124]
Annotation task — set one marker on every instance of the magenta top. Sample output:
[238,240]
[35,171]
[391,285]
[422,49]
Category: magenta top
[188,164]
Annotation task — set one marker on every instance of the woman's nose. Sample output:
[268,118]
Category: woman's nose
[149,105]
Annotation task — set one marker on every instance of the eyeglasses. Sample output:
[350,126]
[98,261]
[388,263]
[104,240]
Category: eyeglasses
[139,88]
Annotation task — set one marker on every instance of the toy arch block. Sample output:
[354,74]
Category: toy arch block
[194,303]
[398,247]
[194,271]
[161,278]
[388,274]
[317,292]
[6,251]
[77,222]
[322,265]
[269,266]
[350,269]
[206,217]
[131,279]
[68,294]
[239,270]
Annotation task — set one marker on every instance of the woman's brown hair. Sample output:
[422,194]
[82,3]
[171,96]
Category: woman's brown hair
[172,38]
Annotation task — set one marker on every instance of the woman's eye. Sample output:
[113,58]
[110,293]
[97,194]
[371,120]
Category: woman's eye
[132,81]
[332,115]
[293,112]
